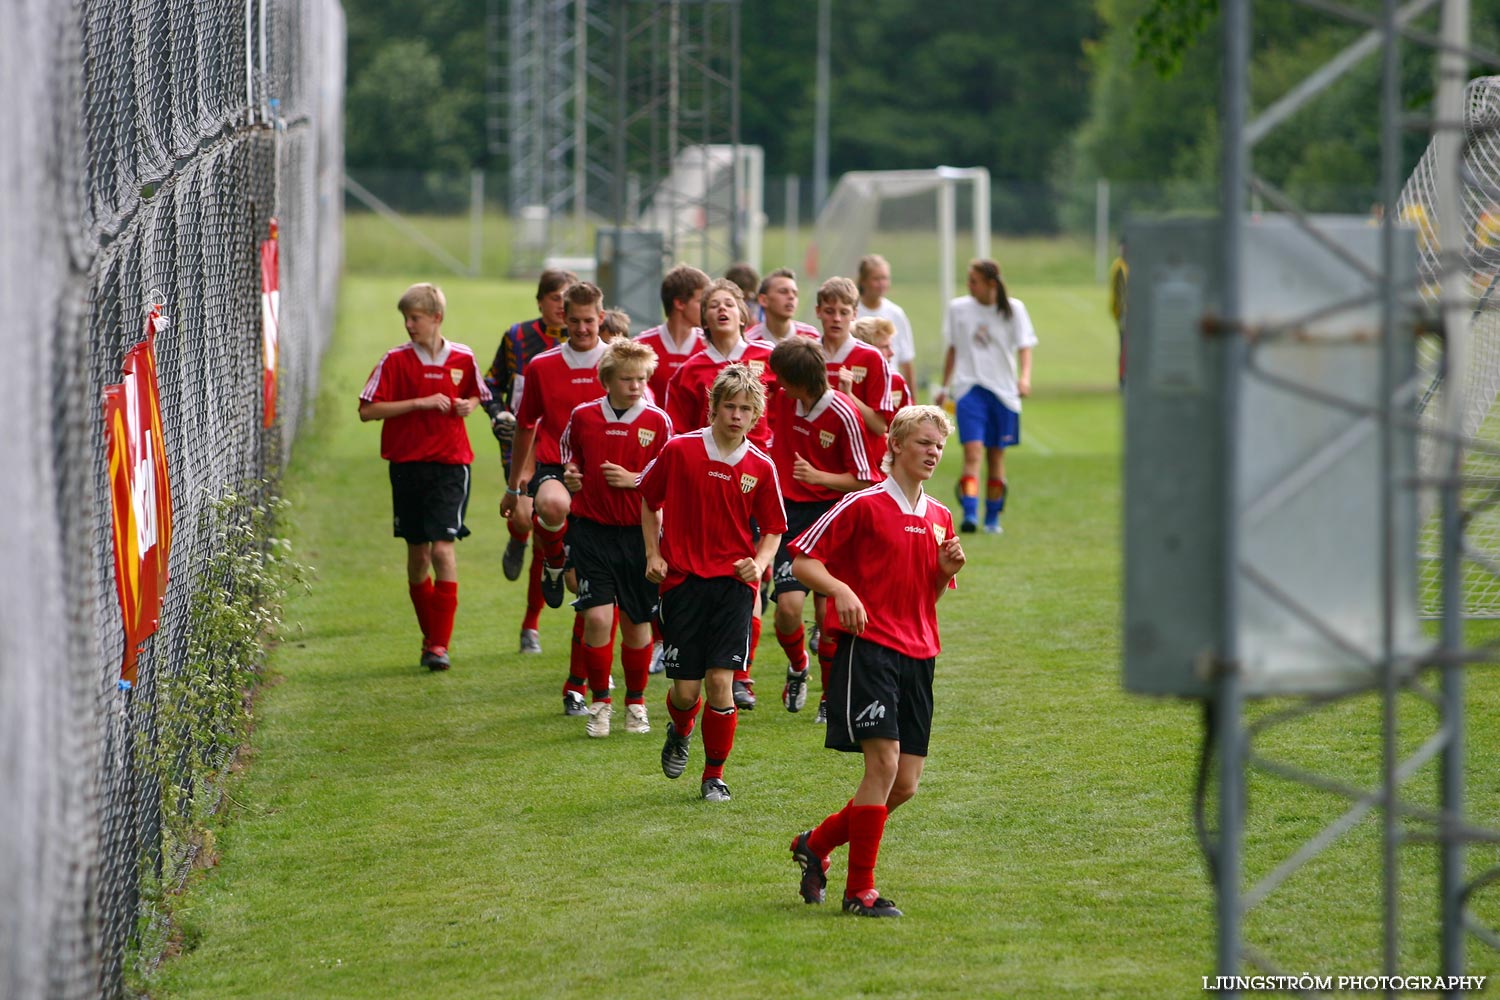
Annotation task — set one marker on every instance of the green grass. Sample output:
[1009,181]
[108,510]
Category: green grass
[404,834]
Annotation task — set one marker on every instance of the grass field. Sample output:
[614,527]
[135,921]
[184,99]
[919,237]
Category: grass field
[403,834]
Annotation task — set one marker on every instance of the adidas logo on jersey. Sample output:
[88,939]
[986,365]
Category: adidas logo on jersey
[915,530]
[616,432]
[586,380]
[719,475]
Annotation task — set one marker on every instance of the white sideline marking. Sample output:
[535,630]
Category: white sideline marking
[1032,441]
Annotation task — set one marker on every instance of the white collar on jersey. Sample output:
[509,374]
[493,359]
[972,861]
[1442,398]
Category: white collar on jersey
[582,359]
[842,354]
[608,410]
[712,447]
[817,409]
[686,347]
[713,352]
[432,360]
[891,487]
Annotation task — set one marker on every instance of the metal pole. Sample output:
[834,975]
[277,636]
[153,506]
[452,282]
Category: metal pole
[736,239]
[947,227]
[1229,696]
[476,219]
[1390,183]
[793,213]
[580,123]
[1101,229]
[820,109]
[1452,77]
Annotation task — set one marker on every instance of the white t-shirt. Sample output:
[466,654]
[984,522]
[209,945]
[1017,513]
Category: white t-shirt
[984,346]
[903,344]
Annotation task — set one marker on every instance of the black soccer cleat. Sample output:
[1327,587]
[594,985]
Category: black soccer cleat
[794,694]
[967,527]
[674,753]
[870,904]
[573,704]
[814,869]
[714,790]
[511,560]
[744,696]
[822,716]
[435,658]
[553,586]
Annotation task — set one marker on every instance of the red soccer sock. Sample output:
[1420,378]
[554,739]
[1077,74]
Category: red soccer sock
[597,660]
[637,665]
[534,601]
[442,606]
[578,668]
[755,627]
[519,529]
[683,719]
[866,824]
[421,600]
[832,832]
[550,541]
[718,739]
[827,646]
[794,644]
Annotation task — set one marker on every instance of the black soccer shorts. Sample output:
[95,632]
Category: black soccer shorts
[429,501]
[800,516]
[610,561]
[876,692]
[705,625]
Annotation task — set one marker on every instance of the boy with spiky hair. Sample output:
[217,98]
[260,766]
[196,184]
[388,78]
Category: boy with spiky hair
[698,501]
[521,343]
[604,448]
[422,391]
[680,337]
[778,304]
[883,616]
[556,381]
[819,451]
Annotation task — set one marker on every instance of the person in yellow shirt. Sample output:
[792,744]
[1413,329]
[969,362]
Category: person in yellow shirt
[1119,274]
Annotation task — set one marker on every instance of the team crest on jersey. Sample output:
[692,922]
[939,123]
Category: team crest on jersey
[939,533]
[858,371]
[757,368]
[457,374]
[825,438]
[645,436]
[747,483]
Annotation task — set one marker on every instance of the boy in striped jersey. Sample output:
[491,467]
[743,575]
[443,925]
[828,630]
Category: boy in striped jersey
[604,448]
[422,391]
[883,617]
[819,449]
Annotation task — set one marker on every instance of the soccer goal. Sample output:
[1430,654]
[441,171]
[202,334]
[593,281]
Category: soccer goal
[1480,382]
[910,217]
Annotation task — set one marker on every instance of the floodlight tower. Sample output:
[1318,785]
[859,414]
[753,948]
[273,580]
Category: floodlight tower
[1285,564]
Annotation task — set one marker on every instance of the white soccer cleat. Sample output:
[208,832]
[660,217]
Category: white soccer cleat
[657,666]
[635,719]
[599,713]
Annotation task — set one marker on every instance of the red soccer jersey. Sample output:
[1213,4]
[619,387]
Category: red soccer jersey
[688,392]
[901,396]
[759,333]
[407,372]
[668,357]
[595,435]
[556,381]
[872,386]
[886,551]
[828,434]
[709,499]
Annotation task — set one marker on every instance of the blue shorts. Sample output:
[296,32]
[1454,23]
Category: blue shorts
[982,417]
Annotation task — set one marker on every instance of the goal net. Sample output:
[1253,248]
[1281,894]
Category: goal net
[1481,382]
[918,220]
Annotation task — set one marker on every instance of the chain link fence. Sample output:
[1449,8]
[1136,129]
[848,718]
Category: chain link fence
[149,145]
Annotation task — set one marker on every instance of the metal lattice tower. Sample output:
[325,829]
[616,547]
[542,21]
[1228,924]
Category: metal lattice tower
[605,99]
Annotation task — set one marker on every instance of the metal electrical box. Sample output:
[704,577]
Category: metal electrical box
[630,273]
[1310,583]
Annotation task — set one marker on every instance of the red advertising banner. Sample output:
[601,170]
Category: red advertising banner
[270,319]
[140,494]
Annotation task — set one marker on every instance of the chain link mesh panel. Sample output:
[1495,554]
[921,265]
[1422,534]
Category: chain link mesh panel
[150,143]
[1481,420]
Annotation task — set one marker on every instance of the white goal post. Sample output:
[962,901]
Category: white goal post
[850,217]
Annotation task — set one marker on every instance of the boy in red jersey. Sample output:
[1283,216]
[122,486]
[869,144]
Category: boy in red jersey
[679,338]
[884,617]
[778,302]
[724,319]
[880,333]
[819,450]
[505,379]
[556,382]
[604,448]
[698,499]
[422,391]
